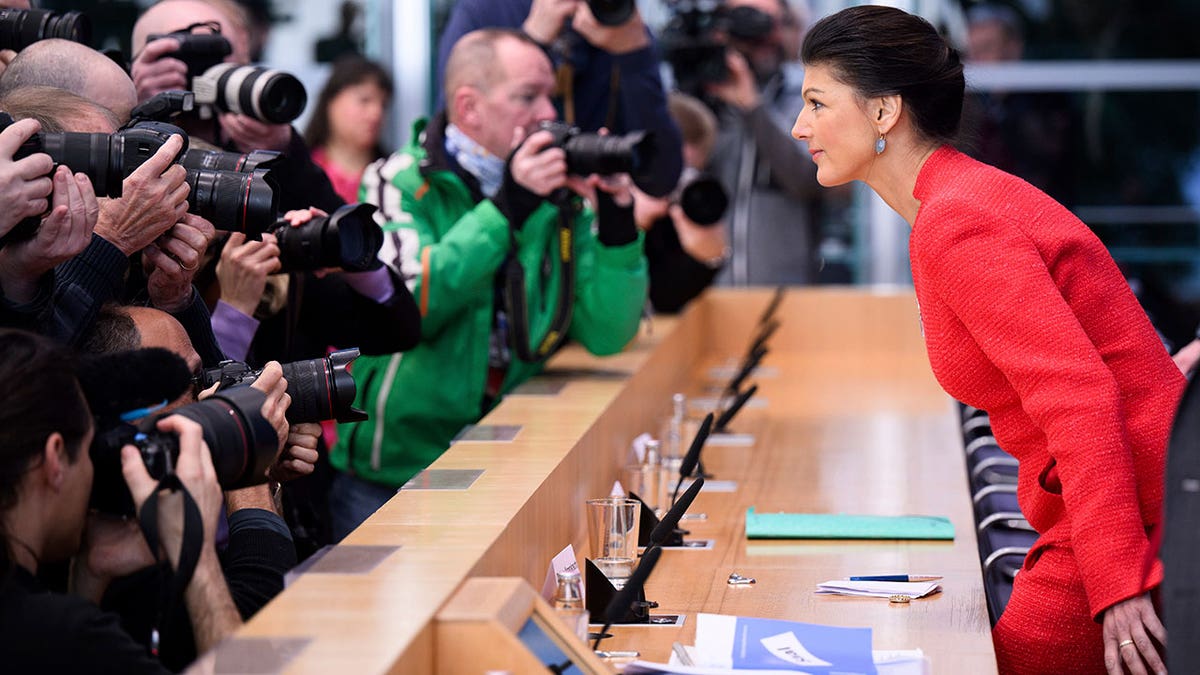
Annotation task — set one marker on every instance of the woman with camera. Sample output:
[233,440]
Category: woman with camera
[1025,315]
[46,477]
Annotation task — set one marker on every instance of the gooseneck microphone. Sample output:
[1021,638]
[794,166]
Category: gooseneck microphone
[727,416]
[751,363]
[693,454]
[624,599]
[772,305]
[670,520]
[765,334]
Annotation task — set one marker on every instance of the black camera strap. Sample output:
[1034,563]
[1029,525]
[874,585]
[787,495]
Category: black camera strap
[189,551]
[515,297]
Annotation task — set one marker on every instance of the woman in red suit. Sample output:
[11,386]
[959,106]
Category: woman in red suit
[1025,315]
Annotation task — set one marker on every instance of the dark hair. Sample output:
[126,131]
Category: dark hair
[881,51]
[39,395]
[112,331]
[347,72]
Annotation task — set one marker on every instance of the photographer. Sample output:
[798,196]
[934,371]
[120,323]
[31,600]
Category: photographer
[155,69]
[684,256]
[774,195]
[463,212]
[45,483]
[609,74]
[149,218]
[72,67]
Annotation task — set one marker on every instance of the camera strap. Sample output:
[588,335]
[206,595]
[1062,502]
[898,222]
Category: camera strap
[515,297]
[189,551]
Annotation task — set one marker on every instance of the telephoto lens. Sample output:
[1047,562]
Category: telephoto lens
[612,12]
[242,442]
[321,389]
[20,28]
[349,239]
[266,94]
[702,197]
[635,153]
[233,201]
[221,160]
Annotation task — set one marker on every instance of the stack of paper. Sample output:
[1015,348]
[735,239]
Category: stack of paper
[878,589]
[893,662]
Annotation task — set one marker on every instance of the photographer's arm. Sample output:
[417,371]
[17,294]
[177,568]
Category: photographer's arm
[210,607]
[610,277]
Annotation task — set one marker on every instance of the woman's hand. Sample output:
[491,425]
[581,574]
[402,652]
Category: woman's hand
[1129,626]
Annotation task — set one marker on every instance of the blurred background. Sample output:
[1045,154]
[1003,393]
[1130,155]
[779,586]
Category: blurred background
[1097,102]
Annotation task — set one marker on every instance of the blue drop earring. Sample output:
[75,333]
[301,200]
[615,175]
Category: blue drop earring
[880,145]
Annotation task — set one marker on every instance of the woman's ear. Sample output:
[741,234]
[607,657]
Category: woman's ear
[886,112]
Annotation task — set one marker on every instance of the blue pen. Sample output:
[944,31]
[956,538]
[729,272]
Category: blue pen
[898,577]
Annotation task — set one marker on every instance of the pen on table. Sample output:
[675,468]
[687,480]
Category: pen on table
[899,577]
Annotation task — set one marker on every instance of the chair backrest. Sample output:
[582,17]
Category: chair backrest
[1181,537]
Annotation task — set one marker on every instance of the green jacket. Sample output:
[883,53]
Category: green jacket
[450,247]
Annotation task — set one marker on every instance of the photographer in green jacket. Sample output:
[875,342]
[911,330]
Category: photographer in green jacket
[503,256]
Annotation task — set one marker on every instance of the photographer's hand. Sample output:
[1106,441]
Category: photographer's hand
[154,199]
[704,244]
[547,17]
[250,134]
[740,90]
[112,547]
[209,604]
[154,72]
[24,183]
[171,262]
[62,235]
[243,270]
[628,37]
[272,383]
[536,167]
[300,455]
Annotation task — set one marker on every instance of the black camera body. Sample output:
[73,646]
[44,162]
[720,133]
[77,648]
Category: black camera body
[349,238]
[242,443]
[321,389]
[200,51]
[695,38]
[20,28]
[635,153]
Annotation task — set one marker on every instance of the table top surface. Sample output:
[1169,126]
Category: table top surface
[848,420]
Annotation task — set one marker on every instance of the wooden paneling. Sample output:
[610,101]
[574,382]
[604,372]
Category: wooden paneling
[854,423]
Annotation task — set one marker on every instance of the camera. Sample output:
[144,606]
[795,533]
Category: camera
[20,28]
[321,389]
[635,153]
[349,238]
[221,160]
[199,51]
[265,94]
[612,12]
[701,196]
[233,200]
[242,443]
[696,36]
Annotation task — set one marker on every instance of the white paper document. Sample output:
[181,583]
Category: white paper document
[878,589]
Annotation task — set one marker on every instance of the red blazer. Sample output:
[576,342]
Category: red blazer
[1026,316]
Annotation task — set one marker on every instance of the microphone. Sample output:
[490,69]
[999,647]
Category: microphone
[666,527]
[751,363]
[763,335]
[734,407]
[772,305]
[693,454]
[119,382]
[623,601]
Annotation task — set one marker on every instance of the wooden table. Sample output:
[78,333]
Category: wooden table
[853,423]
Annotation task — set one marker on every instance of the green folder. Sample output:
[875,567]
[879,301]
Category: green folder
[843,526]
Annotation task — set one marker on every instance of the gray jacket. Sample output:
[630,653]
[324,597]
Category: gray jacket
[773,190]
